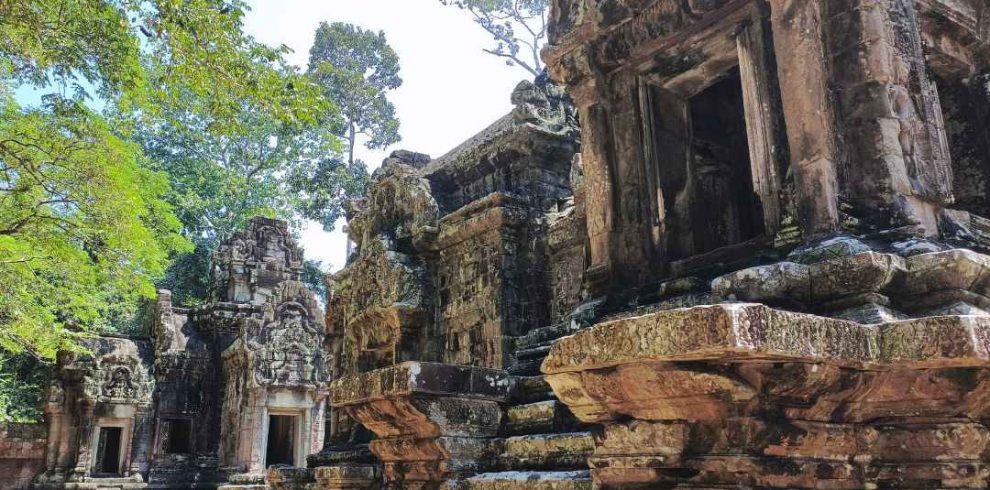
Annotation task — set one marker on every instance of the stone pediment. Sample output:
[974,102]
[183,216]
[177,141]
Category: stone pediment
[265,241]
[118,372]
[284,347]
[399,206]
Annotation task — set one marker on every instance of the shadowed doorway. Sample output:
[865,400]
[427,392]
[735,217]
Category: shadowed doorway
[108,452]
[281,440]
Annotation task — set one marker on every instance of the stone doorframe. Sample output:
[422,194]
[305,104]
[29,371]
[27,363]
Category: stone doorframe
[742,40]
[251,433]
[300,439]
[126,426]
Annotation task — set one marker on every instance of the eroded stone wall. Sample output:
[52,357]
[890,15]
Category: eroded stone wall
[22,454]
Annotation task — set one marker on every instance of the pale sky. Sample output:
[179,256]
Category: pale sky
[451,88]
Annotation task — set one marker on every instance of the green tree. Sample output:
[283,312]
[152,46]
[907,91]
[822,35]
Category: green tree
[222,176]
[357,68]
[87,213]
[519,28]
[84,231]
[85,228]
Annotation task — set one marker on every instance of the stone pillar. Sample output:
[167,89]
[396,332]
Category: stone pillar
[897,167]
[980,91]
[142,439]
[85,423]
[598,182]
[809,112]
[434,422]
[762,121]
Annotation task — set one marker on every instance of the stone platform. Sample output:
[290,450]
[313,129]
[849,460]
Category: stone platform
[747,395]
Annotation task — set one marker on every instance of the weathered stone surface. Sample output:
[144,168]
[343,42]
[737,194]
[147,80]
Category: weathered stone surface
[773,231]
[191,405]
[22,454]
[744,394]
[348,477]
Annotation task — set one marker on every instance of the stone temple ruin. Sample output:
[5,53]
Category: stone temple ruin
[758,263]
[217,394]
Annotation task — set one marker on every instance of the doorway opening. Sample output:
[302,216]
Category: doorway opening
[726,209]
[281,440]
[108,452]
[699,149]
[177,436]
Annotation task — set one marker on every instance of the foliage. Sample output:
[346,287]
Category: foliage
[356,69]
[222,177]
[314,275]
[83,229]
[203,124]
[21,379]
[518,26]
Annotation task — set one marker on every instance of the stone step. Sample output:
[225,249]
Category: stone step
[568,451]
[544,335]
[539,351]
[529,480]
[539,417]
[531,389]
[526,367]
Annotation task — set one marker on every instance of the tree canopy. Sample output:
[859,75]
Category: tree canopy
[519,28]
[357,68]
[203,128]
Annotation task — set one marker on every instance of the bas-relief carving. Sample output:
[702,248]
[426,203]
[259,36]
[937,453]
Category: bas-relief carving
[206,365]
[383,294]
[287,342]
[118,379]
[546,106]
[674,401]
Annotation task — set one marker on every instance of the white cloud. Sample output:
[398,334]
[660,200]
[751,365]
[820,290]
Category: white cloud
[451,89]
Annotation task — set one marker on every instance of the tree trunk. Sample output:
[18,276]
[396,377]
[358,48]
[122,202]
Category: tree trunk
[351,137]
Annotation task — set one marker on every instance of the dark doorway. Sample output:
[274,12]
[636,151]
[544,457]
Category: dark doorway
[725,209]
[108,452]
[177,436]
[281,440]
[701,167]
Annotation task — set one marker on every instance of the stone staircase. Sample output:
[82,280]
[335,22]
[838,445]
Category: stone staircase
[545,446]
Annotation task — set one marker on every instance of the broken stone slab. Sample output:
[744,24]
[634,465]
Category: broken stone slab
[434,421]
[927,283]
[528,480]
[348,477]
[547,451]
[828,249]
[788,281]
[956,269]
[708,332]
[819,282]
[290,478]
[742,394]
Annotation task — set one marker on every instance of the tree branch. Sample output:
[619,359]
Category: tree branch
[514,59]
